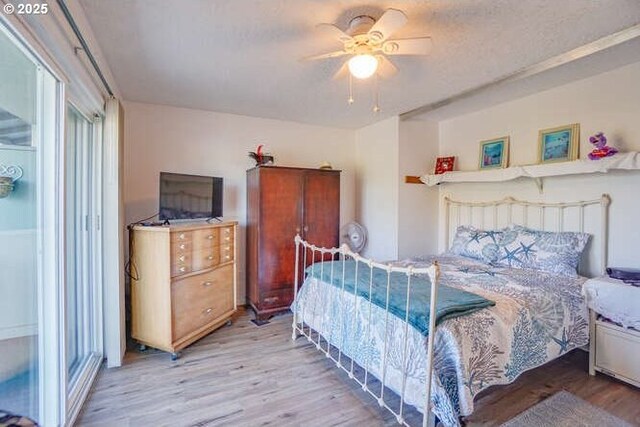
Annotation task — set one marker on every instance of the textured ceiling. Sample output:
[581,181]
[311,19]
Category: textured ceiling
[242,56]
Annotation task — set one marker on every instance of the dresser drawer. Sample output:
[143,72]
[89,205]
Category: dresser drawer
[281,298]
[204,239]
[179,247]
[178,269]
[227,253]
[201,299]
[226,235]
[181,258]
[205,258]
[617,350]
[181,236]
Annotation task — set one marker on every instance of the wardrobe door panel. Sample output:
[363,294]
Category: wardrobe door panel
[253,228]
[322,209]
[280,220]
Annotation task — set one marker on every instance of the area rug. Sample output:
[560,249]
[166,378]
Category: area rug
[563,409]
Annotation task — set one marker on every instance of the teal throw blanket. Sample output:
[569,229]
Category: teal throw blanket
[451,302]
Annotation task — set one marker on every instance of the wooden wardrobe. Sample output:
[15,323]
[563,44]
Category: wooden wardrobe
[283,202]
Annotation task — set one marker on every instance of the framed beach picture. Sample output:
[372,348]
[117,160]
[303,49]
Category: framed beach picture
[559,144]
[494,153]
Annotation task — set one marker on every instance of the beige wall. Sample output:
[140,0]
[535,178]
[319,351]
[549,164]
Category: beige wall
[416,214]
[161,138]
[399,217]
[377,190]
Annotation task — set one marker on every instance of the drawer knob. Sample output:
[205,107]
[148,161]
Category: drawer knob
[207,311]
[210,257]
[210,237]
[206,284]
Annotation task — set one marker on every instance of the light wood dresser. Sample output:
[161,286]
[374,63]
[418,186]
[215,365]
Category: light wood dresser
[184,283]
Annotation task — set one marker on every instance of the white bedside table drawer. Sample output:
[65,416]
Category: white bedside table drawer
[617,351]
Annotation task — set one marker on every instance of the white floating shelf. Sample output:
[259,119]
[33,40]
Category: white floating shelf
[621,161]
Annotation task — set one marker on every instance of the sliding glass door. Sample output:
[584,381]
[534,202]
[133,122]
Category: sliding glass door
[82,236]
[50,241]
[78,242]
[19,231]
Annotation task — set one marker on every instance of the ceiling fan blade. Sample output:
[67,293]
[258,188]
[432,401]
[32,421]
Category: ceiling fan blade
[386,68]
[334,54]
[413,46]
[390,22]
[335,32]
[342,72]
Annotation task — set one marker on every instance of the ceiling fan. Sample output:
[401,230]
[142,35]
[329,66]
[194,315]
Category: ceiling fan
[367,42]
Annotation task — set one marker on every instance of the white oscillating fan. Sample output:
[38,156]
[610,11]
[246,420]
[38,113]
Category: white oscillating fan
[353,235]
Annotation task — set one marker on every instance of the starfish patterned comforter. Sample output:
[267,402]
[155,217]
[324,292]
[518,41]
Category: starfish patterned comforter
[537,317]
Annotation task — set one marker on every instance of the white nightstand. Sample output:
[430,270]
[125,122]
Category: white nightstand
[614,349]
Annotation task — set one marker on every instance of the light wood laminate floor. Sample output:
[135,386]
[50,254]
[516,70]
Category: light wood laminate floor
[244,375]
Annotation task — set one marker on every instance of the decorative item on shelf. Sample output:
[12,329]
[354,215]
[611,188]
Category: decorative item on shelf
[444,164]
[494,153]
[559,144]
[601,149]
[261,157]
[326,166]
[9,174]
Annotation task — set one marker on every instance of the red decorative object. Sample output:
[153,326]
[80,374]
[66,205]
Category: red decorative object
[260,157]
[444,164]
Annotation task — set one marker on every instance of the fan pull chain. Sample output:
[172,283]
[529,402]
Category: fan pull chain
[376,95]
[350,100]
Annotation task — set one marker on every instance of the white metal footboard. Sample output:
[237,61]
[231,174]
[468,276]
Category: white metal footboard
[306,250]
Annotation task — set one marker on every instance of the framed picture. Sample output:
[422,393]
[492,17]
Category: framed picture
[444,164]
[494,153]
[559,144]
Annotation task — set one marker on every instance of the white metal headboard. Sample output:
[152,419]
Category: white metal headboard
[583,216]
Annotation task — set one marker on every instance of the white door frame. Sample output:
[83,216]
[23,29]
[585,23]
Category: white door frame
[51,271]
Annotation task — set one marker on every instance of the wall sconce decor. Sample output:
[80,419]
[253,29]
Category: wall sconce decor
[9,174]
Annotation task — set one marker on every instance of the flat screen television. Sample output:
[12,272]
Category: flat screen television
[190,196]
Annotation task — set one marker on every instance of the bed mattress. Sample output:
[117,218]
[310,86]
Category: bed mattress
[615,300]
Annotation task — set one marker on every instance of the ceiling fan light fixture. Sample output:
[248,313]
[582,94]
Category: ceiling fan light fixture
[363,66]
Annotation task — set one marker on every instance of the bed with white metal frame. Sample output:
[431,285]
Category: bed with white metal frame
[496,213]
